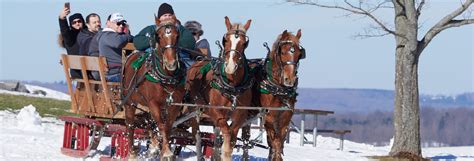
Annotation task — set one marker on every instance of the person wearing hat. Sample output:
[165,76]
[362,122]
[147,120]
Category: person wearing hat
[185,41]
[111,40]
[201,43]
[68,35]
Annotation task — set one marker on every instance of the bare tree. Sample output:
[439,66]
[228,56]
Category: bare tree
[408,50]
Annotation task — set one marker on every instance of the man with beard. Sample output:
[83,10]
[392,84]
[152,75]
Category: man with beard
[85,36]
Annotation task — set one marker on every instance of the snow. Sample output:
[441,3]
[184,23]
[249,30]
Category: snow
[24,135]
[29,119]
[49,93]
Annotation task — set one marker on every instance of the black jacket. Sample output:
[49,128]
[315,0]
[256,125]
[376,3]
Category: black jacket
[69,37]
[84,40]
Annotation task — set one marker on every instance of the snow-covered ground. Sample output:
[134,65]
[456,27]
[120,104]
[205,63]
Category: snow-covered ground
[24,135]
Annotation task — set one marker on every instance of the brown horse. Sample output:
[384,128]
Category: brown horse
[227,83]
[156,83]
[277,88]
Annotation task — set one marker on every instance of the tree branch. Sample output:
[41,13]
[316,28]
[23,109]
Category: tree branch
[356,10]
[420,7]
[445,23]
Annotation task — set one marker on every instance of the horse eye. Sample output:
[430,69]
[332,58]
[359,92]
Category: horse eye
[292,50]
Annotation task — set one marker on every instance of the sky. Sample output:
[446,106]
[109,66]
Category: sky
[335,59]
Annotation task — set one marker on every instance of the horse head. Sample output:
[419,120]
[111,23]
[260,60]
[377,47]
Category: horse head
[166,38]
[287,52]
[234,41]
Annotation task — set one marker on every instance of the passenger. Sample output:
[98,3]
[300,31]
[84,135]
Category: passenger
[201,43]
[85,36]
[186,40]
[111,41]
[69,32]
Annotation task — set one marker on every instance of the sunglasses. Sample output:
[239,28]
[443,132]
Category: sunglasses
[77,21]
[121,23]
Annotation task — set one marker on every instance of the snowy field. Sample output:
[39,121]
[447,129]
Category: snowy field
[24,135]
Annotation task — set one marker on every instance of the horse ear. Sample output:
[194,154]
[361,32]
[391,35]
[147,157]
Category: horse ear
[157,20]
[227,23]
[284,33]
[247,25]
[298,35]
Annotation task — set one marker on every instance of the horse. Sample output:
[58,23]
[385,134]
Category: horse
[155,79]
[226,82]
[277,86]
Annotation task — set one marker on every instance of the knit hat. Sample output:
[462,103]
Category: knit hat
[75,16]
[164,9]
[195,27]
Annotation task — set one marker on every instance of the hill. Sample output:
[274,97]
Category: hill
[345,100]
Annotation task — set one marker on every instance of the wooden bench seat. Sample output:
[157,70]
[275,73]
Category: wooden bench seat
[84,99]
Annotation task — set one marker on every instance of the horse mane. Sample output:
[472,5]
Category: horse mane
[168,22]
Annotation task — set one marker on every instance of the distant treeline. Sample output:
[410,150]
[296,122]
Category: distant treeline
[439,127]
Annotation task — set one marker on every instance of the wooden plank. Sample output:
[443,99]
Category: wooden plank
[105,87]
[331,131]
[86,83]
[65,63]
[311,111]
[75,62]
[99,82]
[129,47]
[236,108]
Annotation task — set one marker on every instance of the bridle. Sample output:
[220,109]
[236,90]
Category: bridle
[155,69]
[281,64]
[237,34]
[168,28]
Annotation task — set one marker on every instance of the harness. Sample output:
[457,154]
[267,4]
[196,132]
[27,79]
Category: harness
[268,85]
[154,72]
[220,81]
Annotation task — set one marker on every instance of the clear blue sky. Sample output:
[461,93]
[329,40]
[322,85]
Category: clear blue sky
[29,49]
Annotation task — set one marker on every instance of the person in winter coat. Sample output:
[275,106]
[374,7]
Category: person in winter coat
[186,39]
[85,36]
[69,32]
[202,44]
[111,41]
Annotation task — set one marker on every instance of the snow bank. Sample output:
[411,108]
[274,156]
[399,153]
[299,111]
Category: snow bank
[29,119]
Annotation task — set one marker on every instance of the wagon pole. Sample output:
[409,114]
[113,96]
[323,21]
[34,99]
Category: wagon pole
[283,108]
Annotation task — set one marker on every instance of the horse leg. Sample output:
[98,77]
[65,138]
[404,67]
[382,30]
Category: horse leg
[154,148]
[271,134]
[226,137]
[129,122]
[246,140]
[155,111]
[167,154]
[238,119]
[278,142]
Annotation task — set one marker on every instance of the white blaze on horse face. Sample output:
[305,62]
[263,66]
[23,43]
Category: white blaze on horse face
[167,32]
[289,78]
[231,64]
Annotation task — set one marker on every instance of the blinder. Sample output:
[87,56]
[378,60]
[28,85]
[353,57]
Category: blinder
[302,49]
[302,52]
